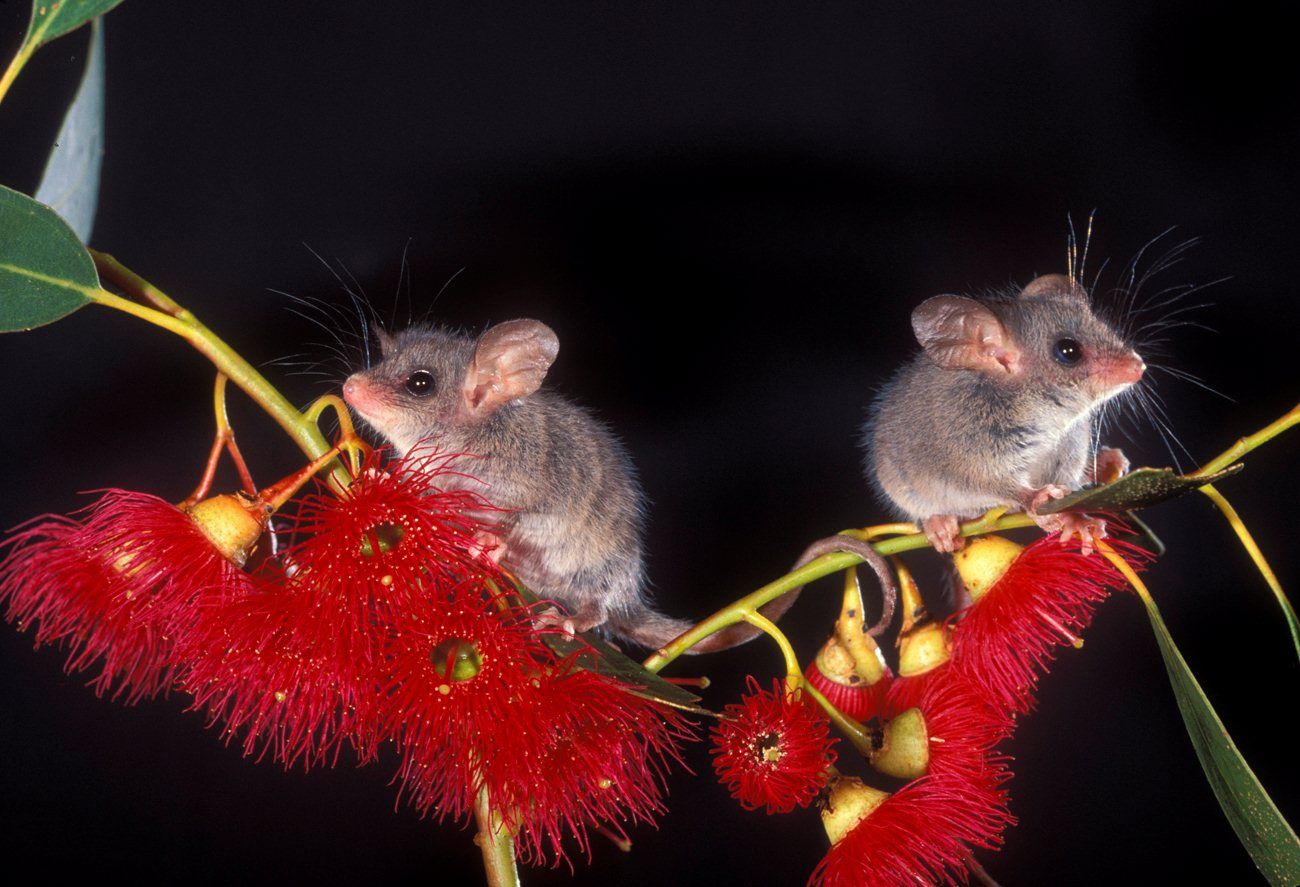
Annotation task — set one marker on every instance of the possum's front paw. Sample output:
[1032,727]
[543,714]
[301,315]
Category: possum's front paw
[944,532]
[487,545]
[1109,464]
[1069,523]
[554,617]
[585,619]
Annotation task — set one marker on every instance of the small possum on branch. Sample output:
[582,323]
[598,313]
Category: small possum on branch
[574,527]
[999,409]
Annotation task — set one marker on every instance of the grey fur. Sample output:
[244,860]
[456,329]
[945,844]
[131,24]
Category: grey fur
[953,441]
[576,515]
[576,523]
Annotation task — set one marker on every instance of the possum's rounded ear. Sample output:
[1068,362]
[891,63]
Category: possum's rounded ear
[385,339]
[510,361]
[1053,285]
[962,334]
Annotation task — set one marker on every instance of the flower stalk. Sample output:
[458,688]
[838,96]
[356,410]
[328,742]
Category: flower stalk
[169,315]
[15,65]
[822,566]
[495,842]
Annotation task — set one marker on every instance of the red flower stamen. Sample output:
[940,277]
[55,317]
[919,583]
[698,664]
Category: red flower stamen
[116,583]
[926,832]
[298,668]
[1045,597]
[478,703]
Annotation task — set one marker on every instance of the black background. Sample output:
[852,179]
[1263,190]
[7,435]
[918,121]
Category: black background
[727,215]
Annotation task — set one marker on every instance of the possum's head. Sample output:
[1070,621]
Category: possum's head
[432,381]
[1044,339]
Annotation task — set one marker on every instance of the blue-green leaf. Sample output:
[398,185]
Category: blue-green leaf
[70,184]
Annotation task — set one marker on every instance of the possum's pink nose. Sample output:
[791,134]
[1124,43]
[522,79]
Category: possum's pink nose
[350,389]
[358,393]
[1129,369]
[1122,368]
[1112,370]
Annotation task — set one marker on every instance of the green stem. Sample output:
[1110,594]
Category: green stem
[852,730]
[172,317]
[822,566]
[830,563]
[1252,549]
[15,65]
[498,848]
[793,673]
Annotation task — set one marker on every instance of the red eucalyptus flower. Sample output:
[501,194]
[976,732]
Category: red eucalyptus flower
[773,750]
[478,703]
[603,762]
[921,834]
[298,666]
[119,580]
[391,537]
[962,727]
[926,831]
[253,675]
[1045,596]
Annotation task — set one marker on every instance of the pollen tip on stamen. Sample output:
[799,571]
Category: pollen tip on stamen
[1070,637]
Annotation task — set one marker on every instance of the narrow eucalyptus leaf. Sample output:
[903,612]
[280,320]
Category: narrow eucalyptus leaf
[70,185]
[44,269]
[1140,488]
[603,658]
[1270,841]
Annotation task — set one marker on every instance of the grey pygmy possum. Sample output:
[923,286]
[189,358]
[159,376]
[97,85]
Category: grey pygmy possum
[999,409]
[574,515]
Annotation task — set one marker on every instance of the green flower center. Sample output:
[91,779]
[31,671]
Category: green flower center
[455,659]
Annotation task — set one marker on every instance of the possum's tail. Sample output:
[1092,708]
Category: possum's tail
[655,630]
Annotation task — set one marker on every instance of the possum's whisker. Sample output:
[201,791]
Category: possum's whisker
[357,301]
[1087,242]
[1154,406]
[403,277]
[1096,278]
[338,348]
[330,312]
[450,280]
[1189,377]
[332,320]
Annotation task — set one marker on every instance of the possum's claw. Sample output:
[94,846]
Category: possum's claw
[944,532]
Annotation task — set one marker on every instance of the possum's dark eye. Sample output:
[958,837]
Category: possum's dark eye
[420,383]
[1066,351]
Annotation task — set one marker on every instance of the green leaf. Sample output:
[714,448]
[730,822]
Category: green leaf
[1259,825]
[45,272]
[54,18]
[603,658]
[596,655]
[70,185]
[1140,488]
